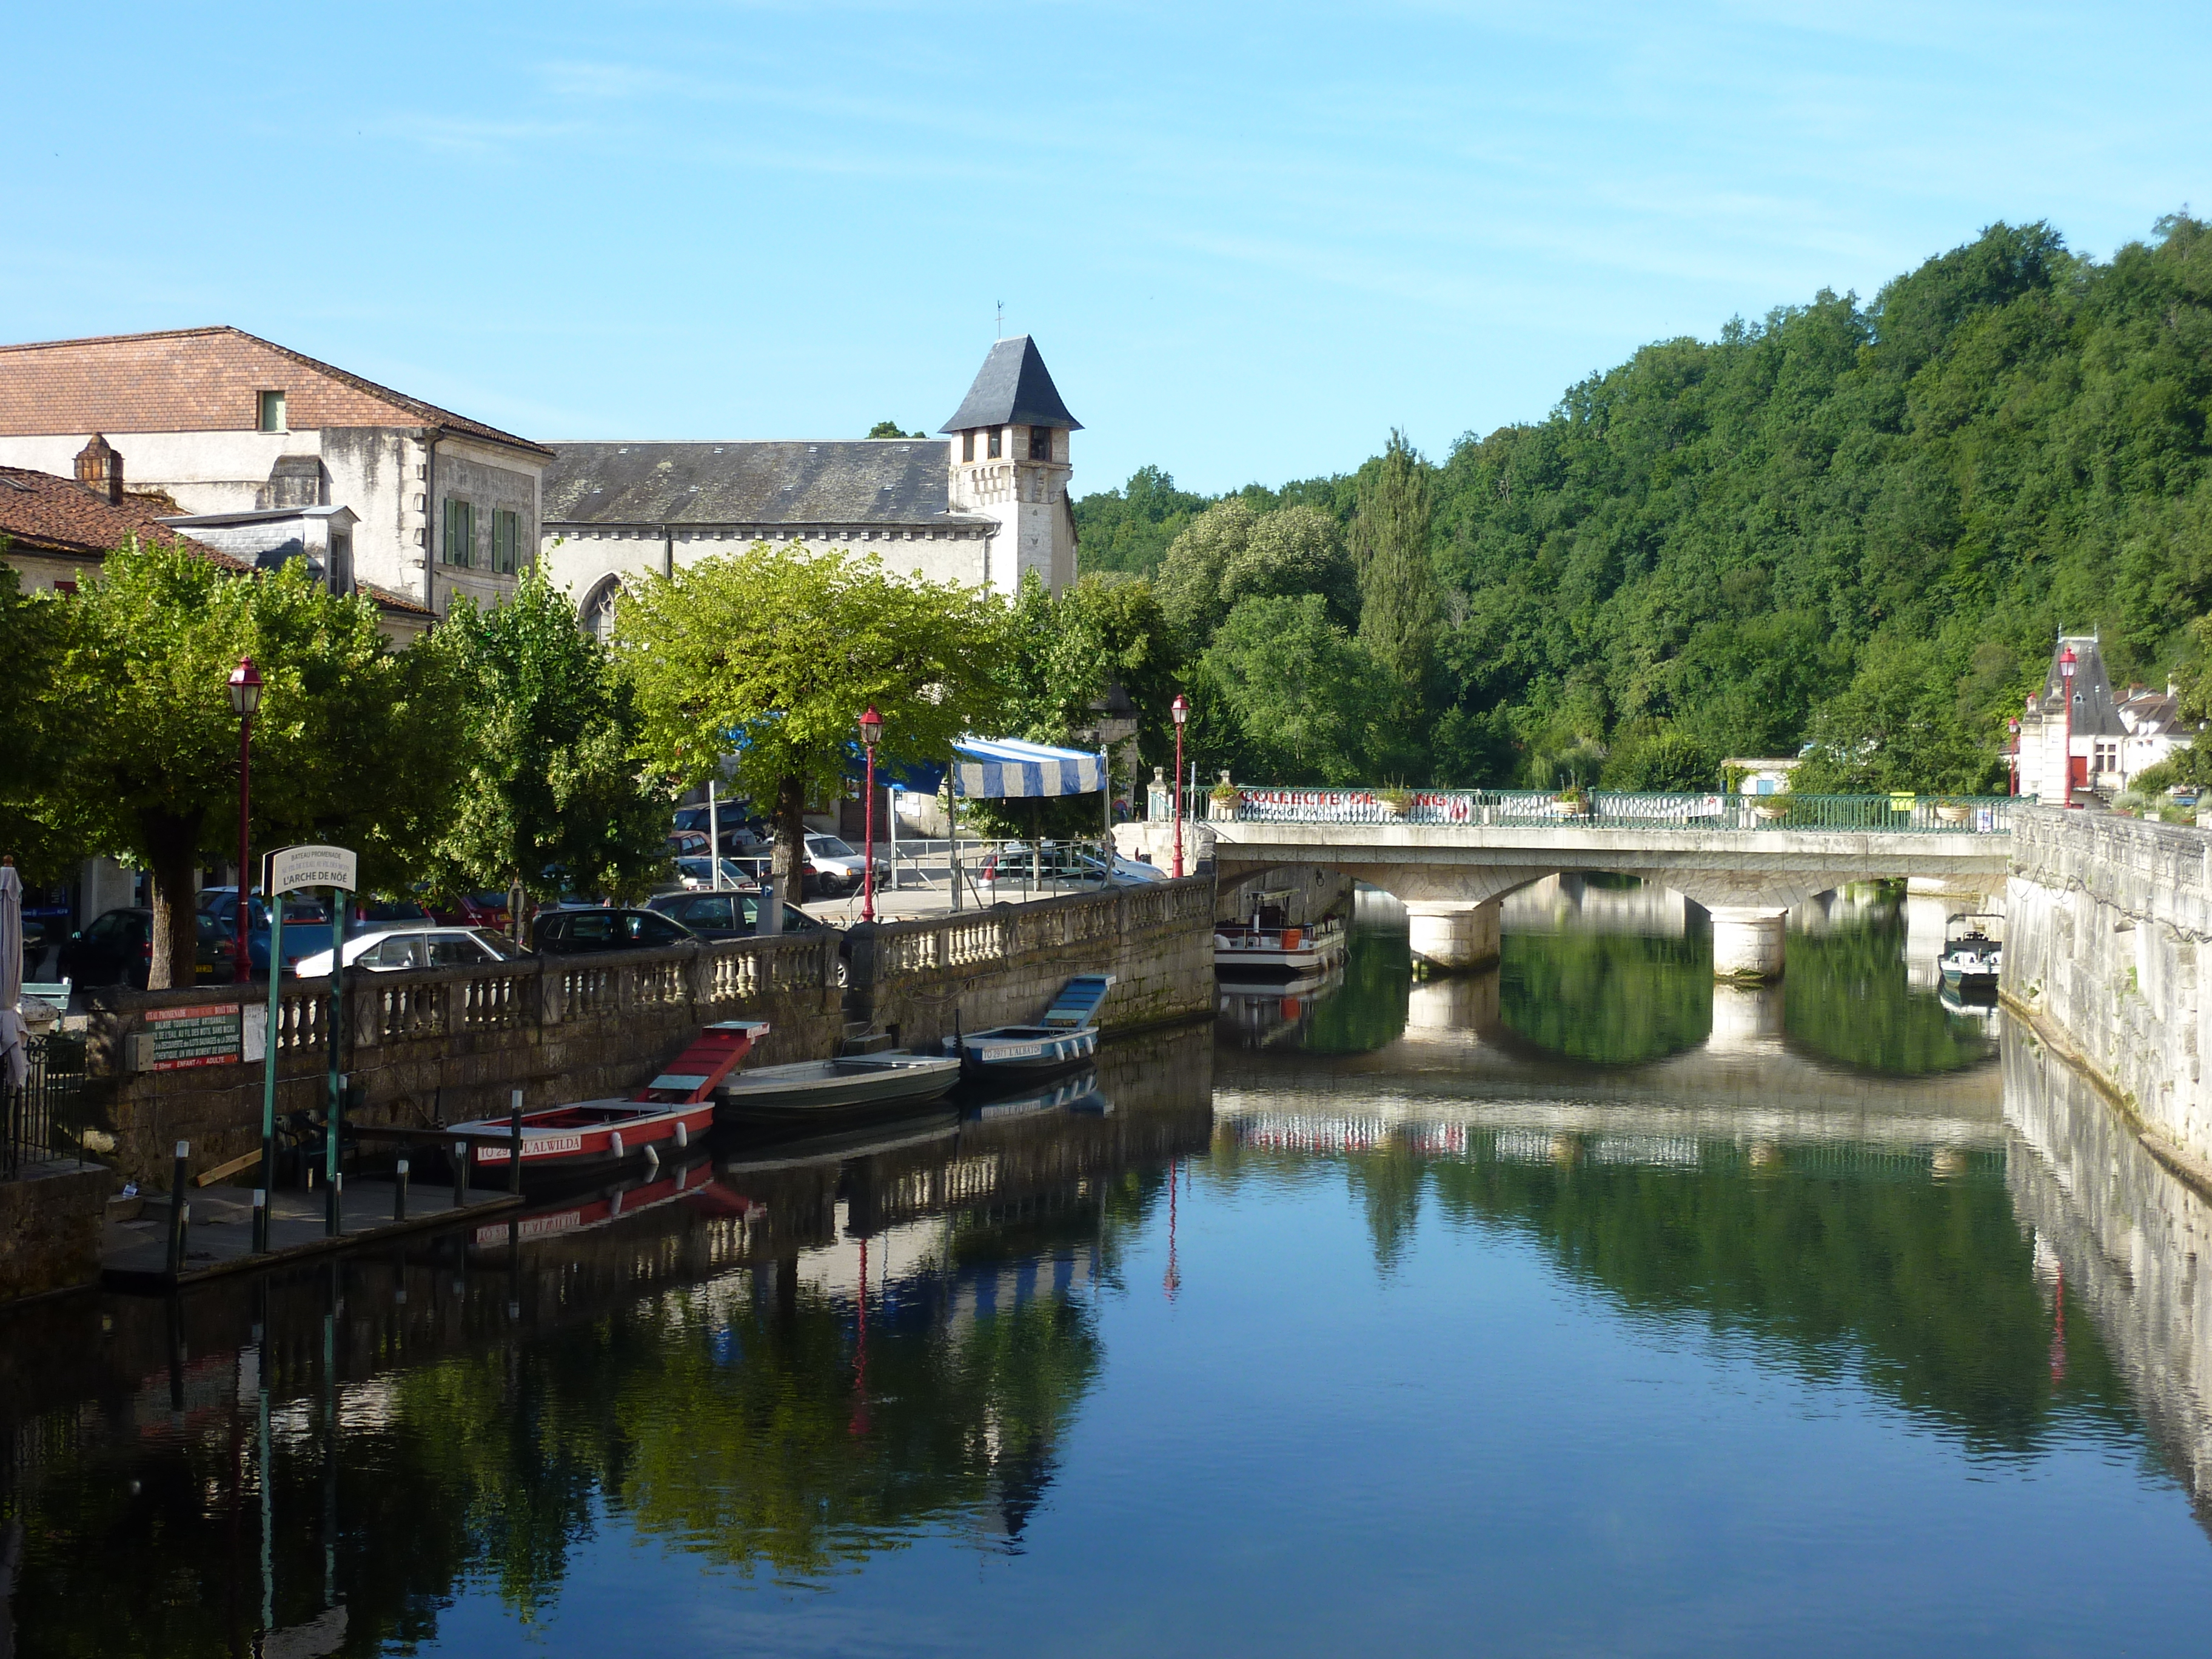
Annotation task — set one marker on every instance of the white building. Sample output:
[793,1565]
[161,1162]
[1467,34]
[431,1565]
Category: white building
[984,508]
[2104,741]
[230,426]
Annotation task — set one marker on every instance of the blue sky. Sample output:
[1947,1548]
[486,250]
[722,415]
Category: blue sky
[1249,240]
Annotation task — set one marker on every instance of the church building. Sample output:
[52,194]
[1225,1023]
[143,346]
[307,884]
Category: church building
[985,506]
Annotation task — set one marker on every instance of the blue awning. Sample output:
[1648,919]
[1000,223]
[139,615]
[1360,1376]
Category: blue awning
[994,769]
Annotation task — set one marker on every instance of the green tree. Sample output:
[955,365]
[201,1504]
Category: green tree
[1896,727]
[1398,611]
[1306,693]
[39,726]
[890,429]
[553,790]
[1291,552]
[1130,529]
[1191,576]
[354,744]
[772,655]
[1662,758]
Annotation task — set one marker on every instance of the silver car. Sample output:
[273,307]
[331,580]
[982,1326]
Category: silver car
[396,950]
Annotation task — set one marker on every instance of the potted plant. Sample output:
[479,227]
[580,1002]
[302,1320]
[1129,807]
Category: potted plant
[1771,809]
[1225,796]
[1952,811]
[1395,801]
[1573,802]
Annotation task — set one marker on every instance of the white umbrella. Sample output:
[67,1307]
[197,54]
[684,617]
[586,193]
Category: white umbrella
[14,1069]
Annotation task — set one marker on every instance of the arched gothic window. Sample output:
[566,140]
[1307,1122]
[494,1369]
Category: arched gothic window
[598,617]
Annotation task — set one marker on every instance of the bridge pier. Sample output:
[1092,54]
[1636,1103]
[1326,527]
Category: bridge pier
[1452,937]
[1746,942]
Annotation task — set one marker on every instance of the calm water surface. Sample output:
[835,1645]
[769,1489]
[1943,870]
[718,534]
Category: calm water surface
[1576,1307]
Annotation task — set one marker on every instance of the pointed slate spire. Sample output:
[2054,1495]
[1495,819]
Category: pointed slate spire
[1013,388]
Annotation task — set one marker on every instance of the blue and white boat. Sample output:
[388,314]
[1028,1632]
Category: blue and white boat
[1066,1037]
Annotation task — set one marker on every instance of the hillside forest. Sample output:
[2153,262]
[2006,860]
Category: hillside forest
[1850,529]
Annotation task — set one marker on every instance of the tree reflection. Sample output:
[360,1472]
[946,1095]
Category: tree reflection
[1847,997]
[1609,998]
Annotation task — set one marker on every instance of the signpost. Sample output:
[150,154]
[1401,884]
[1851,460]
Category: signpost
[289,871]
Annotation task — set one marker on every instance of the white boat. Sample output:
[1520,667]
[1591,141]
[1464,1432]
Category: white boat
[1971,960]
[1266,945]
[827,1092]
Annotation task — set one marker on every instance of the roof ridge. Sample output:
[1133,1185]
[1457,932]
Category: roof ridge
[113,339]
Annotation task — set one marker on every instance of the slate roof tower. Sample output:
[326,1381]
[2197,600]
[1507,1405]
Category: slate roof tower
[1010,460]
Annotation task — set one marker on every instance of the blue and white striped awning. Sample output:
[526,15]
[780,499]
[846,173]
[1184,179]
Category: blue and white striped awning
[997,767]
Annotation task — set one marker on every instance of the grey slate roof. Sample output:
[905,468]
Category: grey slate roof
[1013,388]
[863,481]
[2094,715]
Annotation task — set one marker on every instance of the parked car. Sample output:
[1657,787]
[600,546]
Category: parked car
[687,844]
[487,909]
[838,865]
[396,950]
[729,915]
[693,873]
[580,933]
[117,948]
[1062,866]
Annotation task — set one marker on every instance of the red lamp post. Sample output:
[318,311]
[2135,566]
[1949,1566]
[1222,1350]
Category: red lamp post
[245,698]
[871,728]
[2012,759]
[1181,709]
[2066,750]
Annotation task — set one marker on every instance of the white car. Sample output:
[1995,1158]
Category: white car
[395,950]
[838,864]
[1059,869]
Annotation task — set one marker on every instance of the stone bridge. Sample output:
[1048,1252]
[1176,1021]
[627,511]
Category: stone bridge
[1746,859]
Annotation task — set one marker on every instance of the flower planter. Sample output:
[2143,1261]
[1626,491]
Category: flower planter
[1772,812]
[1951,811]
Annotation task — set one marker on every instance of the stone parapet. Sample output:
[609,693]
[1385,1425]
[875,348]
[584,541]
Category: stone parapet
[2105,919]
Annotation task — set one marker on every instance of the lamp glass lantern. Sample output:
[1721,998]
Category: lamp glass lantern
[245,689]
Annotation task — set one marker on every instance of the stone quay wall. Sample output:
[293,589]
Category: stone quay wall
[2105,919]
[1004,964]
[446,1045]
[50,1227]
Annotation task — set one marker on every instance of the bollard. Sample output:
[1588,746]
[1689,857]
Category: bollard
[180,1212]
[261,1223]
[399,1192]
[514,1149]
[460,1173]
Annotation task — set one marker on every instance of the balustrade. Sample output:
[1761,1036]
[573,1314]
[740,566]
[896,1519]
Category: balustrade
[1898,813]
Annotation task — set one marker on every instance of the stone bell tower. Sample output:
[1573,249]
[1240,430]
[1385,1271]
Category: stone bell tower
[1010,462]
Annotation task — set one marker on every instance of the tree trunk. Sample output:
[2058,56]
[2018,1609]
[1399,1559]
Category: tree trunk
[787,868]
[172,849]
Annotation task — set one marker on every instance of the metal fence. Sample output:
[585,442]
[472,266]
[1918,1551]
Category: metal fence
[1607,809]
[40,1120]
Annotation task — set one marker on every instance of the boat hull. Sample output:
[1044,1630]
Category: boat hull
[829,1091]
[1250,954]
[1013,1054]
[569,1143]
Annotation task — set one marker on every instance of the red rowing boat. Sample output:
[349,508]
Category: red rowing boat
[666,1116]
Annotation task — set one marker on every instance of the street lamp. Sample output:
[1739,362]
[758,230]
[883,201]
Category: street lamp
[1181,709]
[245,698]
[2066,749]
[872,729]
[2012,760]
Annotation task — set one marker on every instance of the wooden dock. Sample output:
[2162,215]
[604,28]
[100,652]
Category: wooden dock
[135,1254]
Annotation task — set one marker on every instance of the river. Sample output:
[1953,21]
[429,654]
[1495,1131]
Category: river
[1579,1306]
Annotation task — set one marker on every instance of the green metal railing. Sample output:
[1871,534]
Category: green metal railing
[1605,809]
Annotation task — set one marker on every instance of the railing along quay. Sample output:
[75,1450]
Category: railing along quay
[37,1121]
[1605,809]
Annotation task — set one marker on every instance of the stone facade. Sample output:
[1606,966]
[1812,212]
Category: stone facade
[1004,965]
[2104,919]
[50,1223]
[446,1045]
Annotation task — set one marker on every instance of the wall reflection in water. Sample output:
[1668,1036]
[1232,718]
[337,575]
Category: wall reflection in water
[779,1359]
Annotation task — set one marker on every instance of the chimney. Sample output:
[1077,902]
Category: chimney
[99,470]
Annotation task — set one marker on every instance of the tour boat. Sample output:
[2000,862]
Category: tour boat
[587,1136]
[824,1092]
[1972,959]
[1266,945]
[1066,1037]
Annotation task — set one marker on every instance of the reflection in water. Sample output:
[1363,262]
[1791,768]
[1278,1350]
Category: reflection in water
[1308,1346]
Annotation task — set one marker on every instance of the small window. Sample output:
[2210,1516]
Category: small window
[506,541]
[272,411]
[1040,443]
[967,446]
[460,533]
[340,572]
[994,443]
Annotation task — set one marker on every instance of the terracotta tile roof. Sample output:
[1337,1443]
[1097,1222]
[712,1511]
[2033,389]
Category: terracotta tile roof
[199,379]
[41,513]
[392,601]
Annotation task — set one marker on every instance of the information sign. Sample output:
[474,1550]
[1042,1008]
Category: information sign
[1901,802]
[194,1036]
[292,868]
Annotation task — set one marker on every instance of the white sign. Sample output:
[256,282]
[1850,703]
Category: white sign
[295,867]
